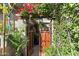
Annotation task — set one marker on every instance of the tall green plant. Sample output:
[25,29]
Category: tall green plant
[17,41]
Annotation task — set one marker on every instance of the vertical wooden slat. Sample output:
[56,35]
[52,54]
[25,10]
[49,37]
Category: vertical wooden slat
[44,41]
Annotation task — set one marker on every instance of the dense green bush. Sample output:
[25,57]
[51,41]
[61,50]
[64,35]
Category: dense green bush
[66,32]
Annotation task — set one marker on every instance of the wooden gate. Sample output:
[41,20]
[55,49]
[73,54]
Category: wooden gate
[44,41]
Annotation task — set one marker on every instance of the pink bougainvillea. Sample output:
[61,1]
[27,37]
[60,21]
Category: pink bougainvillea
[29,7]
[21,9]
[26,7]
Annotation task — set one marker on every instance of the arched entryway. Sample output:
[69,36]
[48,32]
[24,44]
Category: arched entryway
[39,38]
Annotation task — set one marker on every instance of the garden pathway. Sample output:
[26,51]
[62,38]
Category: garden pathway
[36,51]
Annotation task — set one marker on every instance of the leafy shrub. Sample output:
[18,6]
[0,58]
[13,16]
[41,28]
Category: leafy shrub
[17,41]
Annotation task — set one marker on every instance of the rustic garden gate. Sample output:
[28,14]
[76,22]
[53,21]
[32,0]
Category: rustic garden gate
[44,38]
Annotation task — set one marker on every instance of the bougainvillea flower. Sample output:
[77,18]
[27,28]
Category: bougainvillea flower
[28,6]
[18,12]
[21,9]
[30,11]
